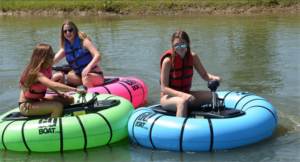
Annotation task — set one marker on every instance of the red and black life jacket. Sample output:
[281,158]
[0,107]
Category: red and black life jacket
[183,80]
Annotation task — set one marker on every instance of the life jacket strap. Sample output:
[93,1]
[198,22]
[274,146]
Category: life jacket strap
[79,67]
[75,59]
[180,87]
[183,68]
[180,78]
[73,50]
[33,92]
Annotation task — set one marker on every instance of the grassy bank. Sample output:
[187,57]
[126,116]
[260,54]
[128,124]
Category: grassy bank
[136,6]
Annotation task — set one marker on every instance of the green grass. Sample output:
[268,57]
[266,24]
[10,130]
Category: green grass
[133,5]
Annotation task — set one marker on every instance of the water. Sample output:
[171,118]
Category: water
[255,53]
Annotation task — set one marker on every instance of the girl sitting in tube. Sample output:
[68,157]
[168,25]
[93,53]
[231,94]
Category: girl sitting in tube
[34,83]
[176,67]
[81,54]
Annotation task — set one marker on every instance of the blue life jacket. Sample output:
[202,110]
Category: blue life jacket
[77,56]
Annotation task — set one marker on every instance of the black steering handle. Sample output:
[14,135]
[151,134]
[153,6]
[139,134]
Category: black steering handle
[213,85]
[63,68]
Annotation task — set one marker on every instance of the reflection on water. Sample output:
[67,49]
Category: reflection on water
[115,152]
[255,53]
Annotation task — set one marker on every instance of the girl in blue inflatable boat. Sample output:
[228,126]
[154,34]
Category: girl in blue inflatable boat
[80,52]
[177,69]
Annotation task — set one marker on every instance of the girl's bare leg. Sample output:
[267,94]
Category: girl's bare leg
[40,108]
[49,105]
[201,98]
[180,105]
[58,76]
[74,80]
[175,104]
[93,79]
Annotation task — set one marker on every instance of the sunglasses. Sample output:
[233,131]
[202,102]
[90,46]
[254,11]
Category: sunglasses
[182,45]
[52,55]
[68,30]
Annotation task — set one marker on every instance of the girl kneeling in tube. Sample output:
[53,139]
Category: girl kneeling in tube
[176,67]
[80,52]
[34,83]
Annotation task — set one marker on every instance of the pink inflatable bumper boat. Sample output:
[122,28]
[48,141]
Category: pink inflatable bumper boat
[131,88]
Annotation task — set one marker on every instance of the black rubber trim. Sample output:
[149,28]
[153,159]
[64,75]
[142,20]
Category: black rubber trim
[109,97]
[128,91]
[151,115]
[106,89]
[143,92]
[134,124]
[242,99]
[150,133]
[137,111]
[264,108]
[4,132]
[107,122]
[83,131]
[211,134]
[23,136]
[226,96]
[61,135]
[253,100]
[181,134]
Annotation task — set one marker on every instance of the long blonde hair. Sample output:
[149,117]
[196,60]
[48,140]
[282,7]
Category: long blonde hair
[38,57]
[184,36]
[77,32]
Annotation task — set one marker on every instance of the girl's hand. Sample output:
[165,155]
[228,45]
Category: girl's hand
[62,94]
[81,91]
[190,98]
[85,71]
[216,78]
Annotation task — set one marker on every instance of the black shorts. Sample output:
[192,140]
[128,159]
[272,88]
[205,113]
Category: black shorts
[100,73]
[21,102]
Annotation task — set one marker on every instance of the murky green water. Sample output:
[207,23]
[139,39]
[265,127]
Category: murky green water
[255,53]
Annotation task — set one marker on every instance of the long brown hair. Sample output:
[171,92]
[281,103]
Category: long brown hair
[38,57]
[77,32]
[184,36]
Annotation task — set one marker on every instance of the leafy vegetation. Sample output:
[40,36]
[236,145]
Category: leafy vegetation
[133,5]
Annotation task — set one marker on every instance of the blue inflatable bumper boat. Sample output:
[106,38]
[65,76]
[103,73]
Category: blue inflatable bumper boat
[243,118]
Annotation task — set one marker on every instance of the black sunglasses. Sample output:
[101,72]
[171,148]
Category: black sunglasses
[68,30]
[52,55]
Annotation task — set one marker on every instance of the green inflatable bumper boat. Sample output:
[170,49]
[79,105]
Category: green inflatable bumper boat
[100,121]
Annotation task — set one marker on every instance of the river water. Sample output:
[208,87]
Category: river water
[255,53]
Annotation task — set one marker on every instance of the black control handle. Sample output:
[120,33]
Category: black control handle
[213,85]
[66,68]
[82,87]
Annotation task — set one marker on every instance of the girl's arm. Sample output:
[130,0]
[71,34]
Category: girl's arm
[88,45]
[60,55]
[202,72]
[55,91]
[53,85]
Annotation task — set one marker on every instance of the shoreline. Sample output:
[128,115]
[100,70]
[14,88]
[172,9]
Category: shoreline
[148,8]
